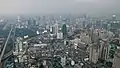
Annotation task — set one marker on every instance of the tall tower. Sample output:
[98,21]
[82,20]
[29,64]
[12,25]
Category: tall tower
[114,17]
[56,28]
[64,30]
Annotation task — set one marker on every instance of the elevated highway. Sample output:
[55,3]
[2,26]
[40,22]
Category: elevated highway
[5,55]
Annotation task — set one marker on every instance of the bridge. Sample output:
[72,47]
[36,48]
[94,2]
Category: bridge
[5,27]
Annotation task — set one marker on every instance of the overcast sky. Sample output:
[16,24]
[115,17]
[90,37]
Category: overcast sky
[59,6]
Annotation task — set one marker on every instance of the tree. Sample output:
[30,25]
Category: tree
[56,63]
[112,51]
[41,66]
[109,64]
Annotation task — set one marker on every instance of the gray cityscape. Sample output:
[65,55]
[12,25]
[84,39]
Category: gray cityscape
[59,34]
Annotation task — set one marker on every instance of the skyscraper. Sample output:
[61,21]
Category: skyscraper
[60,35]
[34,22]
[55,29]
[64,30]
[93,53]
[29,22]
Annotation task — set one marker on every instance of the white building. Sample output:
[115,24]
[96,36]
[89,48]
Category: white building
[60,35]
[76,40]
[63,61]
[56,28]
[93,53]
[85,38]
[40,45]
[51,30]
[19,44]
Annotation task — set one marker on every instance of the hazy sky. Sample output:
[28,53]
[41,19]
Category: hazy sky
[59,6]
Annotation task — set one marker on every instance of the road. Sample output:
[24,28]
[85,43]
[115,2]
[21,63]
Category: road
[3,55]
[4,48]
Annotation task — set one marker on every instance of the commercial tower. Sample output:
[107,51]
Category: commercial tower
[64,30]
[55,29]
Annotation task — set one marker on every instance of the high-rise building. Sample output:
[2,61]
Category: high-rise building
[18,45]
[18,19]
[93,53]
[104,50]
[31,22]
[85,38]
[60,35]
[34,22]
[64,30]
[56,28]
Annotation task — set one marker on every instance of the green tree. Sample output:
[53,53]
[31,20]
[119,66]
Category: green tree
[112,51]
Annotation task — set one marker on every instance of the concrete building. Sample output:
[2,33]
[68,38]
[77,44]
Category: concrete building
[76,41]
[19,44]
[116,62]
[110,34]
[1,43]
[64,30]
[94,36]
[85,38]
[93,53]
[102,35]
[104,49]
[60,35]
[63,61]
[55,29]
